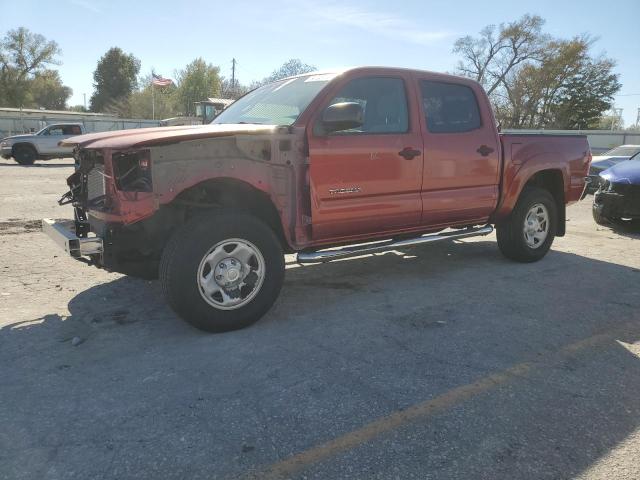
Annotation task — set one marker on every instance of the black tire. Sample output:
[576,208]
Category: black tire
[24,154]
[511,237]
[600,219]
[186,249]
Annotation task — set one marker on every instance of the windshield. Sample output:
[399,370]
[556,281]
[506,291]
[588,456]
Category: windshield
[624,151]
[278,103]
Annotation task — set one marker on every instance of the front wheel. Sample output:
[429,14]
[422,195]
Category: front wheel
[598,217]
[529,232]
[24,155]
[222,271]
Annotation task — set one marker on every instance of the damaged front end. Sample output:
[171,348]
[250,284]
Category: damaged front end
[618,197]
[111,192]
[618,200]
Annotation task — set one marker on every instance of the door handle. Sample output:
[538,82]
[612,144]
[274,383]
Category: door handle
[484,150]
[409,153]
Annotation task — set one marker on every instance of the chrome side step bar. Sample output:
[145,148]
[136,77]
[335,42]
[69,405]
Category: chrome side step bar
[356,250]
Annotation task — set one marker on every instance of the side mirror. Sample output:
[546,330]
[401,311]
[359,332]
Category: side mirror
[342,116]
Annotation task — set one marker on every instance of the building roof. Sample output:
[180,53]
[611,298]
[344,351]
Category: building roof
[56,112]
[224,101]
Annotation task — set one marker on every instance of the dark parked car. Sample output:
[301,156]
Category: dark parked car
[618,196]
[600,163]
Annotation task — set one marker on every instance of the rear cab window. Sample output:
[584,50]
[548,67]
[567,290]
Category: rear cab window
[71,130]
[449,107]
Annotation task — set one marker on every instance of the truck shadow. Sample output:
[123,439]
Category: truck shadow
[350,341]
[627,229]
[38,165]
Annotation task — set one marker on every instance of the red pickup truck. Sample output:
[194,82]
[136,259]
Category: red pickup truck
[328,165]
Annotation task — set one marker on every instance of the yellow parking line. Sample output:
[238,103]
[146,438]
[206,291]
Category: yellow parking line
[355,438]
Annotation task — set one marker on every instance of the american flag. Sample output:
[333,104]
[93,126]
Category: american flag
[160,81]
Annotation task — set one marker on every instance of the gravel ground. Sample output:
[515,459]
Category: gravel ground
[445,361]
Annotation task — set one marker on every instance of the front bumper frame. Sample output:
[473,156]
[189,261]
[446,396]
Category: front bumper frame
[6,152]
[617,205]
[63,234]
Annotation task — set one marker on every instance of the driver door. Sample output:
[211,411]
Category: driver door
[48,143]
[362,179]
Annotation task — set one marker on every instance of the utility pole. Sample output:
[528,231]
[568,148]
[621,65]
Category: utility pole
[233,75]
[616,115]
[85,102]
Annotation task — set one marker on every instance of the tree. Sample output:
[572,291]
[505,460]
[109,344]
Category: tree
[536,81]
[198,81]
[609,122]
[586,95]
[23,55]
[490,58]
[115,78]
[235,91]
[289,68]
[140,102]
[47,91]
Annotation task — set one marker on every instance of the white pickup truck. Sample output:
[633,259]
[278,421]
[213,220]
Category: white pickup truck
[42,145]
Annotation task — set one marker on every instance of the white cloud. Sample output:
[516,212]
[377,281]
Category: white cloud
[87,5]
[378,23]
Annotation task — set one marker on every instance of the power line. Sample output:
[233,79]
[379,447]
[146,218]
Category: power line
[244,69]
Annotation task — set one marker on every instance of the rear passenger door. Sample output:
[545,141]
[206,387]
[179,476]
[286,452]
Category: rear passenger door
[461,152]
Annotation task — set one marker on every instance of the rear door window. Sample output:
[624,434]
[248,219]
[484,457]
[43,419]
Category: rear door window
[449,107]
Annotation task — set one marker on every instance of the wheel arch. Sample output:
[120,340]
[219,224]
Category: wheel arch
[552,179]
[232,193]
[24,144]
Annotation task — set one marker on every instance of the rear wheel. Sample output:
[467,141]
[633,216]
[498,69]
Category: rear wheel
[222,271]
[24,154]
[529,232]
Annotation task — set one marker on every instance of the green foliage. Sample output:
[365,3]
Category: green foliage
[141,101]
[25,80]
[115,78]
[48,91]
[536,81]
[197,81]
[609,122]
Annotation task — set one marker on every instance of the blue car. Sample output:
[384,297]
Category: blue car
[618,197]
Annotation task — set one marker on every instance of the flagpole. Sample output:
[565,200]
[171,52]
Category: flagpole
[153,101]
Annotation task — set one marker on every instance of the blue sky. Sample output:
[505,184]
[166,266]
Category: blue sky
[261,35]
